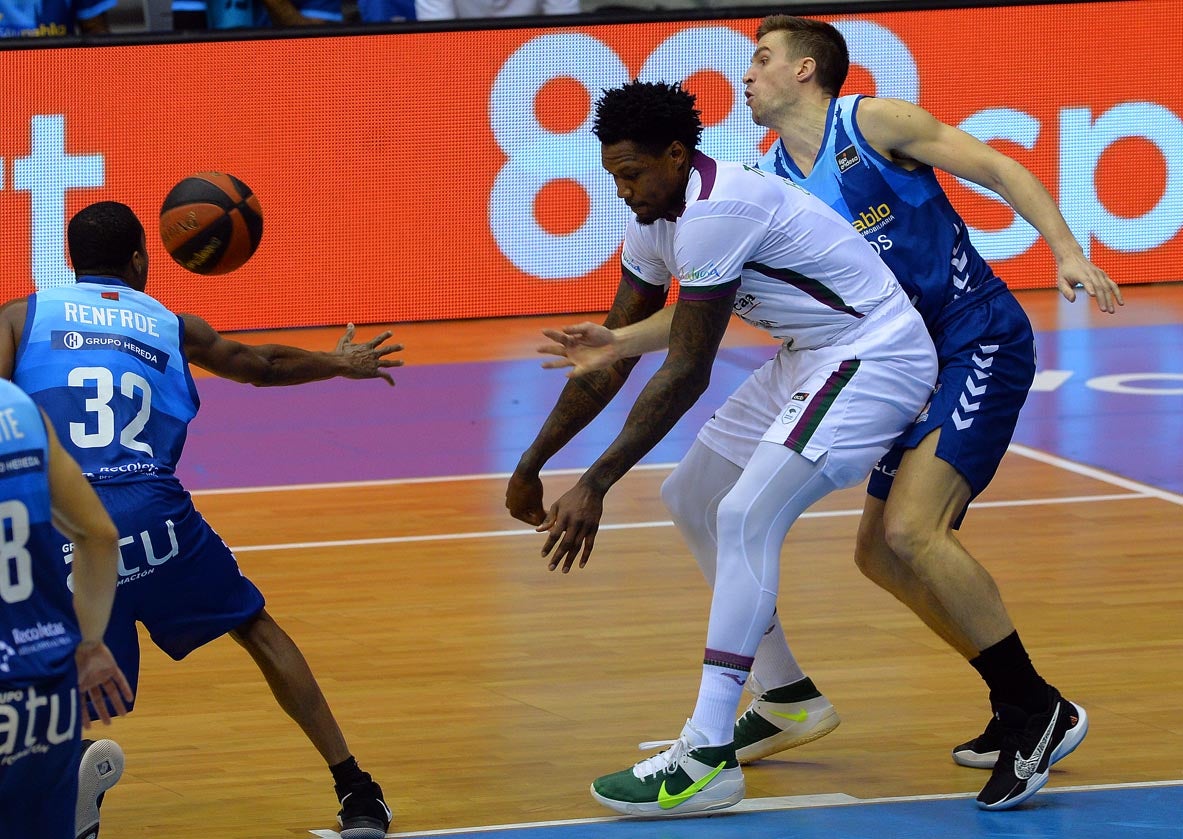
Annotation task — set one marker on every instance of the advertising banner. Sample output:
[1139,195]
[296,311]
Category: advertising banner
[425,176]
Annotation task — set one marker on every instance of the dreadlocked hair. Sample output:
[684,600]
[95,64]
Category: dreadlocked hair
[651,114]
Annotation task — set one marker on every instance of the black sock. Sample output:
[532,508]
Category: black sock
[1008,672]
[347,773]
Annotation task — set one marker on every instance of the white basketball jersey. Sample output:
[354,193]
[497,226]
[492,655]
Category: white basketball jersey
[803,273]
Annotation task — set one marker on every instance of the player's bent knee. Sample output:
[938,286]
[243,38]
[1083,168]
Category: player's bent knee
[871,560]
[911,539]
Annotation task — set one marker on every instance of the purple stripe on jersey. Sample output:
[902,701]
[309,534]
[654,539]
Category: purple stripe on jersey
[719,658]
[707,170]
[816,410]
[641,286]
[816,289]
[710,292]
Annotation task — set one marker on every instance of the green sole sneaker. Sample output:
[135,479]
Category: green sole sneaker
[769,727]
[682,779]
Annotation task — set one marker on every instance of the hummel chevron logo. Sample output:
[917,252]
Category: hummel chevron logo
[668,801]
[973,389]
[1025,767]
[982,362]
[969,407]
[960,422]
[960,262]
[796,716]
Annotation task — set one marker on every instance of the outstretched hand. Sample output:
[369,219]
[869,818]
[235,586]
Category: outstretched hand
[367,361]
[1077,270]
[571,525]
[100,680]
[584,347]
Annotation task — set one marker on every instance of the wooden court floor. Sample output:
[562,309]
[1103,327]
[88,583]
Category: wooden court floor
[481,689]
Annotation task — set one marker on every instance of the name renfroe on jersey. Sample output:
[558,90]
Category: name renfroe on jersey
[109,316]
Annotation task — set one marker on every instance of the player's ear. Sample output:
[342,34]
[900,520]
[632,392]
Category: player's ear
[139,265]
[806,68]
[678,153]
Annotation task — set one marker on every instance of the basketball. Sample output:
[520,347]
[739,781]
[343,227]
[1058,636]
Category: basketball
[211,223]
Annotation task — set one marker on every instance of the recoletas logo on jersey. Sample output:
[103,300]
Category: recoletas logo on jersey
[846,158]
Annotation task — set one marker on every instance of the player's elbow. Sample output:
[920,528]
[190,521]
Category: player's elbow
[97,537]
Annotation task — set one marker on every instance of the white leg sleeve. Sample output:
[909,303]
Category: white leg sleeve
[753,519]
[692,493]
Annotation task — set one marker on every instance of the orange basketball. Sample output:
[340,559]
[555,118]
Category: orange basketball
[211,223]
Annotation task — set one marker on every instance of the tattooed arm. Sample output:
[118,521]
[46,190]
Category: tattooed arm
[581,401]
[695,333]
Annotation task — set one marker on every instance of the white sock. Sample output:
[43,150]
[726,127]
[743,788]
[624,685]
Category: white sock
[718,697]
[775,665]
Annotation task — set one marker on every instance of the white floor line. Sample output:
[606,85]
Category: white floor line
[791,802]
[1015,448]
[1096,474]
[640,525]
[389,482]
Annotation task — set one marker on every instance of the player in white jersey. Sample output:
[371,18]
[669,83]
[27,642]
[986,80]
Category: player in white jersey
[855,368]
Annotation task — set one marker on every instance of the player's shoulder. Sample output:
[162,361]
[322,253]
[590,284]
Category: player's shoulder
[17,304]
[886,118]
[14,312]
[742,181]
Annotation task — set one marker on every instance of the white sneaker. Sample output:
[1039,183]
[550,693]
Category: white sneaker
[769,726]
[688,777]
[100,769]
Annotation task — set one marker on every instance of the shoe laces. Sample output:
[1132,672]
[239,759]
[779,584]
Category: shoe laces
[667,761]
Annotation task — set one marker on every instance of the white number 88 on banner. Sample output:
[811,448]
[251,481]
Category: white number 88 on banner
[538,156]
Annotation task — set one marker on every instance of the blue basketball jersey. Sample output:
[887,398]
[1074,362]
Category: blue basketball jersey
[904,214]
[38,629]
[106,363]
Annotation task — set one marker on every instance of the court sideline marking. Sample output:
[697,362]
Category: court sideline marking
[1136,491]
[752,805]
[640,525]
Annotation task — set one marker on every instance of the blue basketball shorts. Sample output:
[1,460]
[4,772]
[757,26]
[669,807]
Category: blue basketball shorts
[39,758]
[986,354]
[176,575]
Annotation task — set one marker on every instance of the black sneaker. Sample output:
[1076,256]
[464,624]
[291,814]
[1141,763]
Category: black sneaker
[100,768]
[1030,745]
[364,815]
[982,751]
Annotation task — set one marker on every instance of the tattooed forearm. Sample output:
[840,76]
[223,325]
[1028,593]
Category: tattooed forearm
[585,397]
[601,385]
[695,334]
